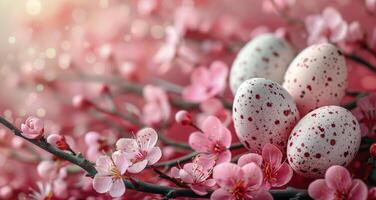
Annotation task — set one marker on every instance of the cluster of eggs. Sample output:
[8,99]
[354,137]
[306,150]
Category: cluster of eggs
[292,102]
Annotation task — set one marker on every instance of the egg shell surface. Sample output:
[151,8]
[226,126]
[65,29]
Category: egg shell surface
[263,112]
[266,56]
[317,77]
[327,136]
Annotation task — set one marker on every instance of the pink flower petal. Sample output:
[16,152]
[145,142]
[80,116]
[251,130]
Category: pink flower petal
[195,93]
[137,167]
[211,126]
[209,183]
[338,178]
[147,137]
[250,158]
[102,184]
[154,155]
[117,188]
[339,32]
[199,142]
[263,195]
[103,164]
[358,190]
[253,174]
[185,175]
[224,156]
[282,176]
[332,17]
[199,189]
[121,161]
[200,76]
[127,145]
[220,194]
[226,174]
[272,155]
[319,190]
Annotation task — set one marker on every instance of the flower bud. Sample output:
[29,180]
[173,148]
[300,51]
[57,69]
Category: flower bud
[33,128]
[58,141]
[372,150]
[81,102]
[183,117]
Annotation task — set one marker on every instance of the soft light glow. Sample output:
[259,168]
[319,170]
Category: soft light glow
[33,7]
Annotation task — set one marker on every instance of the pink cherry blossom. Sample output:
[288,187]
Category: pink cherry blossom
[174,51]
[48,169]
[214,140]
[110,174]
[196,175]
[327,27]
[282,5]
[206,83]
[157,108]
[96,145]
[141,151]
[237,182]
[355,32]
[33,128]
[214,107]
[276,172]
[371,6]
[365,112]
[338,184]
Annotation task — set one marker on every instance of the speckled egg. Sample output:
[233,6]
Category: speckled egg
[263,112]
[327,136]
[317,77]
[266,56]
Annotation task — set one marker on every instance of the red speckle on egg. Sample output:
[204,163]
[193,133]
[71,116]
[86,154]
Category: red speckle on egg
[332,142]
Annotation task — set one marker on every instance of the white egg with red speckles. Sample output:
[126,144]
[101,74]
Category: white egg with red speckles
[317,77]
[265,56]
[263,112]
[327,136]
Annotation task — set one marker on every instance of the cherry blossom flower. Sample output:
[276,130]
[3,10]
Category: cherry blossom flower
[110,174]
[33,128]
[276,173]
[327,27]
[206,83]
[338,184]
[141,151]
[213,141]
[282,5]
[214,107]
[371,6]
[44,192]
[174,51]
[365,112]
[237,182]
[157,109]
[96,145]
[355,32]
[196,175]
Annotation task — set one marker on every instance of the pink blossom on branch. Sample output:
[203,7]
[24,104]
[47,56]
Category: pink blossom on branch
[276,172]
[110,174]
[141,151]
[213,141]
[326,27]
[206,83]
[196,174]
[338,184]
[214,107]
[157,108]
[237,182]
[33,128]
[365,112]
